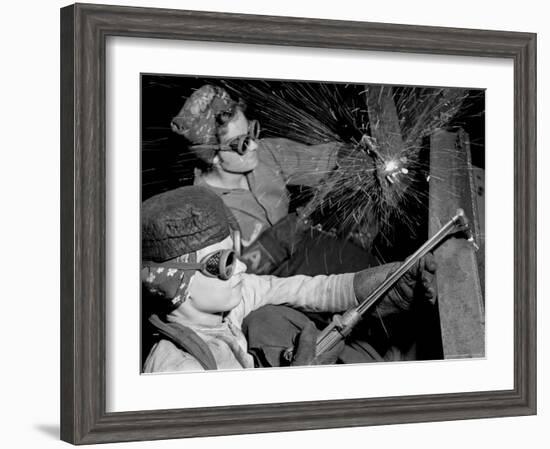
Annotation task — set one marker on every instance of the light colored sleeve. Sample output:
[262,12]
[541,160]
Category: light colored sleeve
[298,163]
[333,293]
[167,357]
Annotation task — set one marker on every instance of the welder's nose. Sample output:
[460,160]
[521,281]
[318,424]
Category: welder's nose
[253,145]
[177,125]
[241,267]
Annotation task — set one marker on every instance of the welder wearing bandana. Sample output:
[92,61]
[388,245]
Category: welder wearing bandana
[251,175]
[201,294]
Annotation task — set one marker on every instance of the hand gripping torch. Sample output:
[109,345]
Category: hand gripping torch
[341,326]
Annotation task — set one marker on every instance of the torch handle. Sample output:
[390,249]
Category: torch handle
[340,327]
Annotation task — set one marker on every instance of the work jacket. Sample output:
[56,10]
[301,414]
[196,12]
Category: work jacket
[226,341]
[281,162]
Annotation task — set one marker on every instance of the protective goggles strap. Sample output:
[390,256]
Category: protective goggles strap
[240,142]
[224,270]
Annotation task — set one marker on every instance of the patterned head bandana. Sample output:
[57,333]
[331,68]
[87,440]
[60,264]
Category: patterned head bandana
[196,120]
[170,285]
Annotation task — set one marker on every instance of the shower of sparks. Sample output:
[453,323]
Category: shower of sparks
[382,171]
[375,180]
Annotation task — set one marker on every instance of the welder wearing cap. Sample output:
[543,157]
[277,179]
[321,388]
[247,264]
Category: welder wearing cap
[251,174]
[200,292]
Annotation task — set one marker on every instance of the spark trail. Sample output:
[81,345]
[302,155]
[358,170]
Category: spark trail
[381,172]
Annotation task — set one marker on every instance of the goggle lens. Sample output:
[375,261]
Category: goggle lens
[220,264]
[212,264]
[241,144]
[254,129]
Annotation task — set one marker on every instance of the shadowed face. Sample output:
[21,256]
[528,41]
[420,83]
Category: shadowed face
[231,161]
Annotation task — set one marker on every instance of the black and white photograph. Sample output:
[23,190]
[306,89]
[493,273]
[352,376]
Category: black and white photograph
[275,224]
[304,223]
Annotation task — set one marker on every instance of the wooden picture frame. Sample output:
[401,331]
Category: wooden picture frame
[84,29]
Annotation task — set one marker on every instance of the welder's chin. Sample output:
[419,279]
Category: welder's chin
[234,298]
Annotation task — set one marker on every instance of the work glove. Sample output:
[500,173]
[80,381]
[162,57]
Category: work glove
[418,284]
[303,353]
[352,159]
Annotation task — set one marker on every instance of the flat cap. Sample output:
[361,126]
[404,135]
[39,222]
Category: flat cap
[181,221]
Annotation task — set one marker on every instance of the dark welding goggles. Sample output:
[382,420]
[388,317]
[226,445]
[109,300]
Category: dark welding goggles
[220,264]
[240,144]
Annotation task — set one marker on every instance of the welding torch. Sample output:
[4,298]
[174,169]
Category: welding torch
[342,325]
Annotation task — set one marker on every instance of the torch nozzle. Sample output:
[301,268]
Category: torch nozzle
[464,224]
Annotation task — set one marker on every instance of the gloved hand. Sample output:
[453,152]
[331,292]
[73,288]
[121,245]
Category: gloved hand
[352,159]
[417,284]
[304,349]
